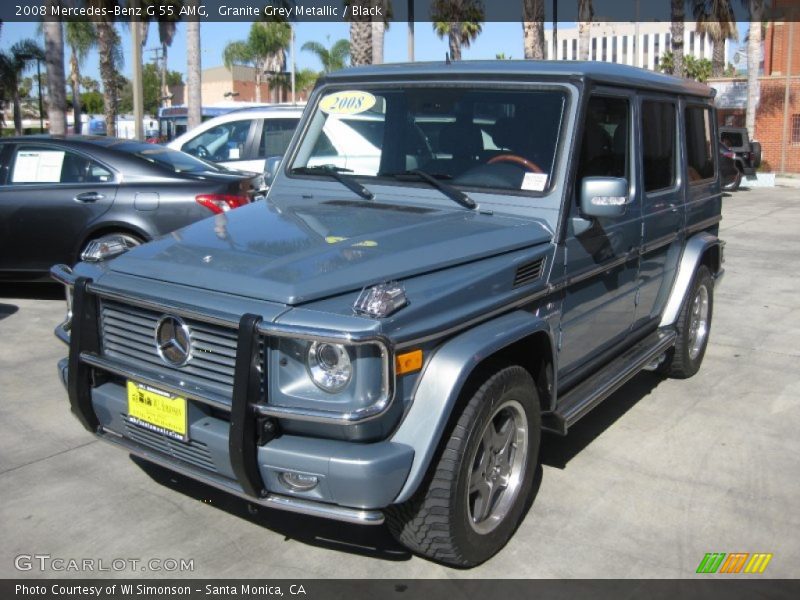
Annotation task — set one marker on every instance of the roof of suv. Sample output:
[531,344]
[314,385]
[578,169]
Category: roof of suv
[595,71]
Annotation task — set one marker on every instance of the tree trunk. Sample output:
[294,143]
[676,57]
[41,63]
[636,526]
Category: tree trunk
[378,34]
[585,14]
[164,86]
[258,68]
[678,14]
[361,42]
[454,41]
[753,63]
[75,78]
[105,48]
[56,81]
[194,100]
[17,111]
[718,58]
[533,28]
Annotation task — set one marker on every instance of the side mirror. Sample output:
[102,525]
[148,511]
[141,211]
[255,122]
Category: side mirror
[604,196]
[271,166]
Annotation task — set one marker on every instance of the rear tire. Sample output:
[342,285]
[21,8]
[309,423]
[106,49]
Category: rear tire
[734,185]
[694,327]
[477,493]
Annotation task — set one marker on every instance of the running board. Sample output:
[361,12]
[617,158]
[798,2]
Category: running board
[591,392]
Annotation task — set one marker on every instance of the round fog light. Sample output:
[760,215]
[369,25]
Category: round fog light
[298,482]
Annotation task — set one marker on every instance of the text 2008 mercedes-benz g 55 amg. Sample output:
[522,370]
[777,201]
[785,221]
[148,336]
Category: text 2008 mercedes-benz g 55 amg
[502,246]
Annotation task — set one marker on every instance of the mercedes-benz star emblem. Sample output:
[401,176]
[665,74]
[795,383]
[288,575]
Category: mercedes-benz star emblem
[173,341]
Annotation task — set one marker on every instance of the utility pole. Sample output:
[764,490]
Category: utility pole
[788,21]
[410,30]
[294,65]
[138,92]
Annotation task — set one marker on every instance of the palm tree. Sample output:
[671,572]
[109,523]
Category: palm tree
[460,20]
[677,14]
[756,8]
[80,36]
[379,27]
[360,35]
[533,28]
[167,26]
[111,59]
[194,100]
[56,82]
[585,14]
[12,64]
[715,19]
[333,58]
[264,50]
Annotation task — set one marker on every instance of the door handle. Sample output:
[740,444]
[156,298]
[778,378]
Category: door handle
[89,197]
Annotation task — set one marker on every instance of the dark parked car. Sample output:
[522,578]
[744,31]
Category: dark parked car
[729,171]
[57,195]
[748,153]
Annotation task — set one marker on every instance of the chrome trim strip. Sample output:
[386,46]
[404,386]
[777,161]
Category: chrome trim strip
[150,378]
[657,243]
[701,225]
[287,503]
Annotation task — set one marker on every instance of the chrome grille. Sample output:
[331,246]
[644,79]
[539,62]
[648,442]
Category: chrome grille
[128,334]
[192,451]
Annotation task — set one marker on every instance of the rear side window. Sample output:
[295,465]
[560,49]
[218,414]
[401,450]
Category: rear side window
[32,164]
[658,145]
[275,136]
[699,155]
[732,139]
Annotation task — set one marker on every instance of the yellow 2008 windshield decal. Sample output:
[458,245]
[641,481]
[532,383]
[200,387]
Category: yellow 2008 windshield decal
[350,102]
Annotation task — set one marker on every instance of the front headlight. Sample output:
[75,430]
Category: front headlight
[329,366]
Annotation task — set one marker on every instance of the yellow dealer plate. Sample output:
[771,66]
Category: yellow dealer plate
[157,410]
[350,102]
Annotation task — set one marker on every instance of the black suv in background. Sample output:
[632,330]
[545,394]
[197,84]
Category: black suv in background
[748,153]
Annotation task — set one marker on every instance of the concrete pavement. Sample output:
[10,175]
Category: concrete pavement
[660,474]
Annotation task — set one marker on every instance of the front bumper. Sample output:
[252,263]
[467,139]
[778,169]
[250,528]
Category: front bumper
[355,480]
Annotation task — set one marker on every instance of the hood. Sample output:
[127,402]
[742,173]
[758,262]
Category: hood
[296,252]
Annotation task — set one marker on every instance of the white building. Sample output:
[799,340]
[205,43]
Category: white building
[617,42]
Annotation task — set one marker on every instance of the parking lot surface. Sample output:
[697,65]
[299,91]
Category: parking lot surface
[663,472]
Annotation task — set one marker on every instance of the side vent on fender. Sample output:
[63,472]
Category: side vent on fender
[529,272]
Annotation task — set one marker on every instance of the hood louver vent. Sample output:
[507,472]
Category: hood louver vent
[529,272]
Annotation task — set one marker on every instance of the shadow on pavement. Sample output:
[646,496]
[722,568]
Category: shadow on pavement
[557,451]
[32,291]
[366,540]
[6,310]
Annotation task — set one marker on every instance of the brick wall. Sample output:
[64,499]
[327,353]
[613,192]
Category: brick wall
[776,41]
[769,124]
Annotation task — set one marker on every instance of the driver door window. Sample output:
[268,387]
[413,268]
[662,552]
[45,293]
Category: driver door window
[223,143]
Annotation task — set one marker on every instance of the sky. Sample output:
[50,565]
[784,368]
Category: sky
[496,38]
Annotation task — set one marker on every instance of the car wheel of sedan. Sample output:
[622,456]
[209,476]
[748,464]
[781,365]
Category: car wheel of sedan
[694,326]
[477,493]
[130,240]
[734,185]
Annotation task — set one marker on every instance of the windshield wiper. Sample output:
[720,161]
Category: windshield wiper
[448,190]
[336,173]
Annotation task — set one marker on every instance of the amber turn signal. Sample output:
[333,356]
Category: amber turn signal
[408,362]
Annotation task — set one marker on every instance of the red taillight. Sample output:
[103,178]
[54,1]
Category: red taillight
[729,154]
[219,203]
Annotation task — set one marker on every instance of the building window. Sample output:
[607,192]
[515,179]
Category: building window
[702,45]
[575,49]
[691,43]
[796,130]
[614,49]
[594,48]
[625,49]
[656,47]
[646,51]
[667,43]
[605,47]
[564,50]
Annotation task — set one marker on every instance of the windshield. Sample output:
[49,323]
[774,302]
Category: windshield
[483,138]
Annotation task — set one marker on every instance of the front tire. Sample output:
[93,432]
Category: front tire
[478,491]
[694,327]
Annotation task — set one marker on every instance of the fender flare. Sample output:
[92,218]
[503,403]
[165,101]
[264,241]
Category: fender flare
[442,381]
[693,253]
